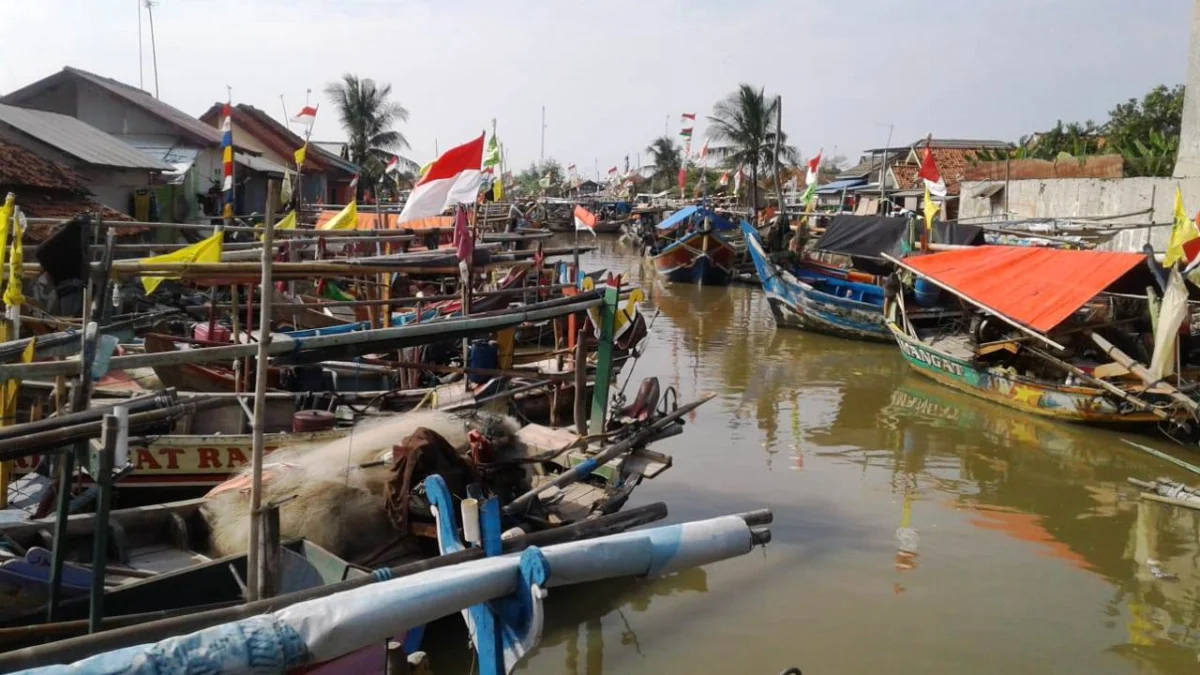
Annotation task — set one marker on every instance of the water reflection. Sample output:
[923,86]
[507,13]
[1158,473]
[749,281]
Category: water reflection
[933,509]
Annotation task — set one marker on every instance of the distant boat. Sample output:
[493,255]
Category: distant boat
[693,248]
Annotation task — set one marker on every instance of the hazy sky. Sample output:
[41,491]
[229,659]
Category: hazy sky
[611,72]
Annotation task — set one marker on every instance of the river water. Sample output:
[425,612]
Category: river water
[917,530]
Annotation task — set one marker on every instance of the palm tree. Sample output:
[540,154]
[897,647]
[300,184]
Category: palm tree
[744,124]
[367,117]
[667,158]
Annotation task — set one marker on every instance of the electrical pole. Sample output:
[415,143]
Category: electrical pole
[141,59]
[542,156]
[153,46]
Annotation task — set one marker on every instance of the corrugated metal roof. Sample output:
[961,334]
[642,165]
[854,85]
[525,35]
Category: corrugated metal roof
[839,185]
[78,139]
[258,164]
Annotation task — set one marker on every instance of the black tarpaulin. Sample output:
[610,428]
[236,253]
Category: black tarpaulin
[872,236]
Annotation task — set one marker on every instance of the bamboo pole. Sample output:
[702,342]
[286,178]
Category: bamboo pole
[1138,369]
[254,574]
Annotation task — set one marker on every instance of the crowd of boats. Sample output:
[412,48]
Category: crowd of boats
[297,454]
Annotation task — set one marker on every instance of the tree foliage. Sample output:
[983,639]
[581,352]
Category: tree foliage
[368,117]
[666,157]
[743,125]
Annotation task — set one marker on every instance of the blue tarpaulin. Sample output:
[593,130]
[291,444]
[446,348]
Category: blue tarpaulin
[688,212]
[839,185]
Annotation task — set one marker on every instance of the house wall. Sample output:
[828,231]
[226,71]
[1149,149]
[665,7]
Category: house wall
[1077,197]
[114,115]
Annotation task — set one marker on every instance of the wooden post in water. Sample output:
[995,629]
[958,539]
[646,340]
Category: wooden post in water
[269,553]
[102,468]
[604,362]
[253,558]
[581,426]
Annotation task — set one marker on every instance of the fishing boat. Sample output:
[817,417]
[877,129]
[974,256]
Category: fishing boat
[693,246]
[843,300]
[1041,334]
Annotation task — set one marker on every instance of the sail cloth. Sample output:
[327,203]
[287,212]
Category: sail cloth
[1038,287]
[872,236]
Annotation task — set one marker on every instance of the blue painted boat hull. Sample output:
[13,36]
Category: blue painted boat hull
[797,304]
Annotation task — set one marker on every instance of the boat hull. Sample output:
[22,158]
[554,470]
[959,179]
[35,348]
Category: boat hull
[1072,404]
[796,304]
[699,257]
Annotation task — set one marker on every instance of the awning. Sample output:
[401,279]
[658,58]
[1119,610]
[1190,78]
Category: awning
[872,236]
[1037,287]
[682,215]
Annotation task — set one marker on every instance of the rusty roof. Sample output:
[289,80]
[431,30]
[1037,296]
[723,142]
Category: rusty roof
[275,136]
[23,168]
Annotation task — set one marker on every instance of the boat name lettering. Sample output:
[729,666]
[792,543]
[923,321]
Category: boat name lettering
[931,359]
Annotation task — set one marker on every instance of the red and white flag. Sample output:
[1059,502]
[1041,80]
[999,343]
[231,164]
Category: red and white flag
[612,171]
[464,242]
[393,165]
[737,180]
[687,123]
[585,220]
[704,153]
[930,174]
[354,182]
[724,179]
[814,167]
[453,178]
[306,116]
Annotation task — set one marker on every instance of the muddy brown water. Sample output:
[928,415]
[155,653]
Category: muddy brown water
[917,530]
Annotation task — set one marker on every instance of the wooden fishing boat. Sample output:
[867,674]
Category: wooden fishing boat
[1039,352]
[845,301]
[812,299]
[693,248]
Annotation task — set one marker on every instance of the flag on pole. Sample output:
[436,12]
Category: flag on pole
[737,180]
[544,181]
[346,219]
[285,190]
[299,156]
[307,116]
[682,177]
[704,153]
[206,251]
[393,165]
[1183,231]
[585,220]
[687,123]
[931,208]
[814,169]
[227,163]
[492,156]
[464,243]
[354,182]
[724,182]
[14,295]
[453,178]
[498,190]
[612,173]
[929,173]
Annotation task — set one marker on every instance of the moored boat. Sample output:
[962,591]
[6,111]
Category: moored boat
[693,247]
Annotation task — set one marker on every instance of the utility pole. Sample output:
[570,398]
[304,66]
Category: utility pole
[883,172]
[666,121]
[153,46]
[141,59]
[542,156]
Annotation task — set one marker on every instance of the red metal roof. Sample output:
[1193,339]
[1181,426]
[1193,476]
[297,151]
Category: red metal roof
[1038,287]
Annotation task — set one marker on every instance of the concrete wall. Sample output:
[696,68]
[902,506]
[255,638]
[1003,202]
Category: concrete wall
[1079,197]
[1188,161]
[114,115]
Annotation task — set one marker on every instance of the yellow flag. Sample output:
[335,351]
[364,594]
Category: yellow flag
[498,190]
[1183,231]
[931,209]
[13,295]
[6,212]
[300,156]
[207,251]
[346,219]
[287,223]
[425,169]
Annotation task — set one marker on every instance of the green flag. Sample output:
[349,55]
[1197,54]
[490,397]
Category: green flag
[492,156]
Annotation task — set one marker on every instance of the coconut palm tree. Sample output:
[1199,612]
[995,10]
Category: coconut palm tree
[743,124]
[667,158]
[368,118]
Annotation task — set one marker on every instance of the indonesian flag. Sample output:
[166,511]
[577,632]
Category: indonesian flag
[704,152]
[306,116]
[453,178]
[929,173]
[585,220]
[814,166]
[571,170]
[354,182]
[737,180]
[612,171]
[393,165]
[687,122]
[724,179]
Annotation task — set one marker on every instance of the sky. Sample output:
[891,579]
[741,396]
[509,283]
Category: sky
[613,74]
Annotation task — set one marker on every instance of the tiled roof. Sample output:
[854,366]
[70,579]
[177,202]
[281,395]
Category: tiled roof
[952,163]
[65,207]
[906,176]
[22,168]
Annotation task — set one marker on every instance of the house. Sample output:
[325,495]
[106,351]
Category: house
[326,176]
[114,171]
[152,126]
[46,189]
[953,158]
[858,186]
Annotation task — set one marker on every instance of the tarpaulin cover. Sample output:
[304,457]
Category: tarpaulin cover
[872,236]
[675,219]
[1038,287]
